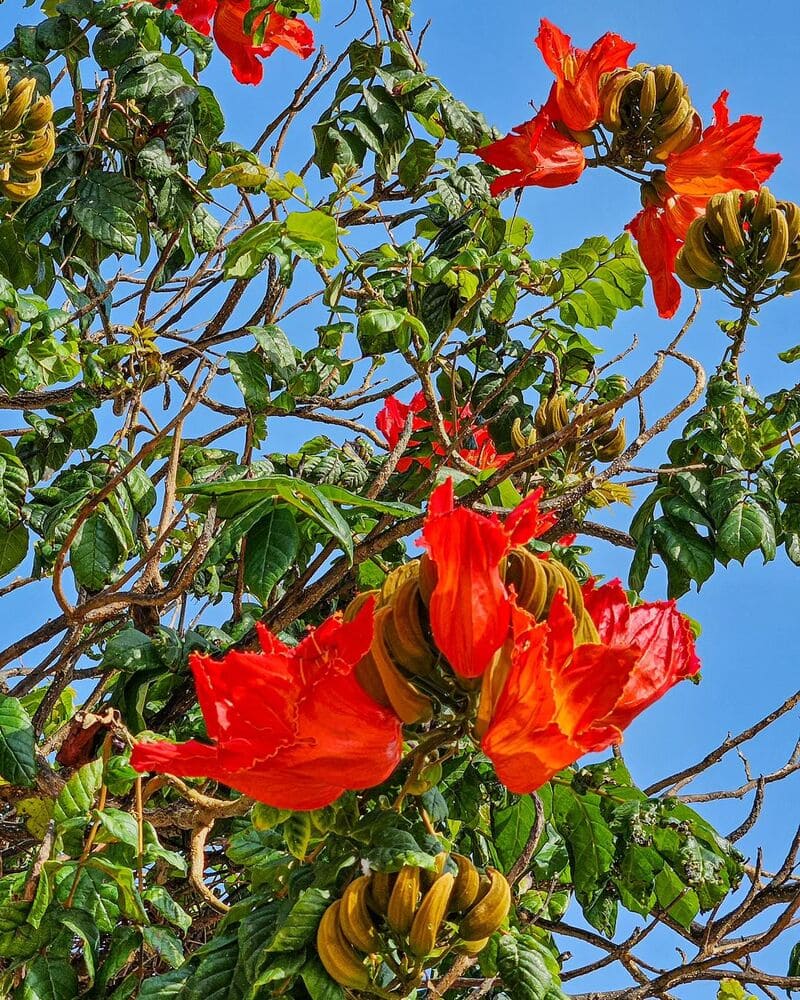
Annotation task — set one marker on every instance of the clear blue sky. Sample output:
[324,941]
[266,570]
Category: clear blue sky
[484,52]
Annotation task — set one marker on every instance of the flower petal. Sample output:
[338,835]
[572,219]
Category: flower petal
[659,633]
[724,159]
[658,247]
[469,608]
[535,153]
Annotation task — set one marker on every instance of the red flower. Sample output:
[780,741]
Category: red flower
[228,25]
[725,158]
[391,421]
[557,700]
[575,98]
[291,727]
[658,247]
[560,700]
[658,629]
[470,609]
[535,153]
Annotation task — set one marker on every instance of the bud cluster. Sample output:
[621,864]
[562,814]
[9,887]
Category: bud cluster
[402,668]
[747,241]
[412,918]
[596,440]
[27,137]
[649,113]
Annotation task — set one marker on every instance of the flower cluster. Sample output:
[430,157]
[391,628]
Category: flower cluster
[226,19]
[561,670]
[479,451]
[549,150]
[548,696]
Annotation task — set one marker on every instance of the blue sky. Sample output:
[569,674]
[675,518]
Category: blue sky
[484,52]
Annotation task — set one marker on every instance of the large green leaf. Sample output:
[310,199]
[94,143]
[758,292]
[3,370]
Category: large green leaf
[299,494]
[682,545]
[50,978]
[105,208]
[742,531]
[251,375]
[511,828]
[316,226]
[300,923]
[95,552]
[319,984]
[590,842]
[528,970]
[13,548]
[77,796]
[13,485]
[17,743]
[270,550]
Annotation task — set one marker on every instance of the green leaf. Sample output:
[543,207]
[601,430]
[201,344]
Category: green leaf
[742,531]
[301,922]
[416,163]
[245,257]
[392,849]
[315,226]
[528,970]
[297,832]
[680,901]
[13,548]
[164,943]
[169,986]
[270,551]
[215,973]
[683,546]
[251,374]
[598,279]
[505,299]
[77,796]
[511,828]
[730,989]
[124,941]
[281,967]
[94,553]
[17,743]
[161,901]
[590,842]
[13,485]
[50,978]
[83,926]
[278,352]
[118,826]
[105,208]
[303,496]
[319,984]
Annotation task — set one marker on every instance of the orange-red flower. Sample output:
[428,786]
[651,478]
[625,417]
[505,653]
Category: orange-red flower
[658,247]
[391,421]
[725,158]
[556,700]
[560,700]
[289,726]
[535,153]
[658,630]
[228,26]
[470,608]
[575,99]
